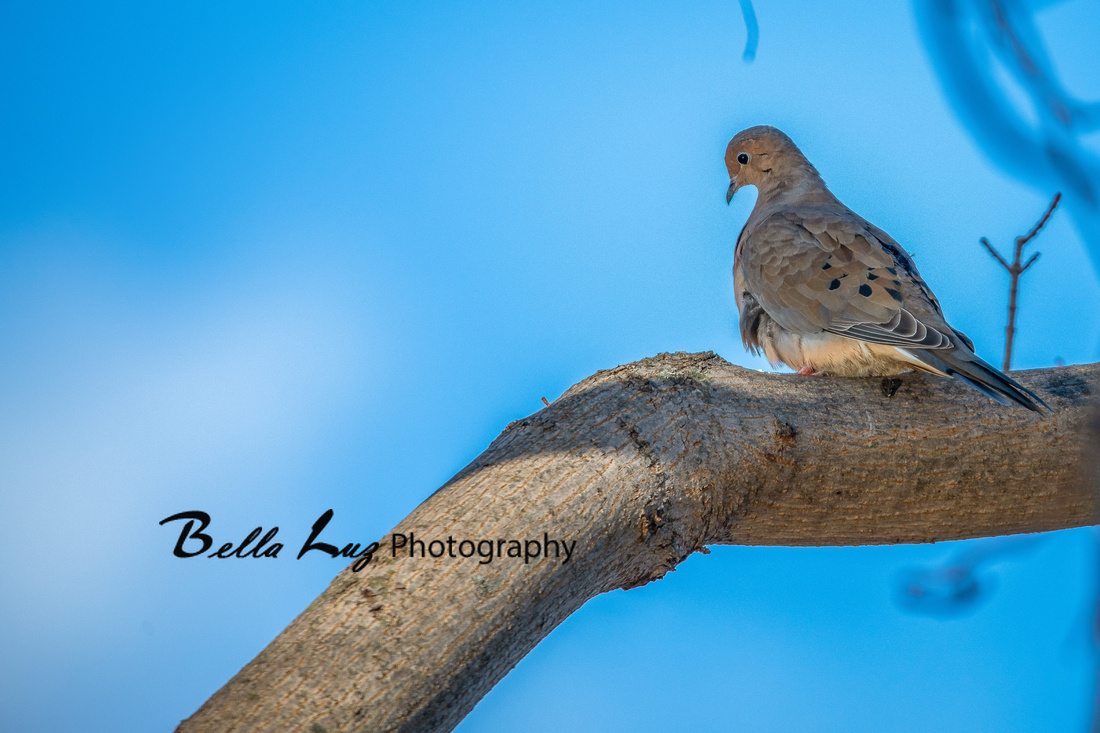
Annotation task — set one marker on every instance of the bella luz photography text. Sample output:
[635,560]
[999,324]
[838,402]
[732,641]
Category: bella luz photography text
[407,545]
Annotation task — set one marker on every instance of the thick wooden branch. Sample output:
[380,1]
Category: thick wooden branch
[641,466]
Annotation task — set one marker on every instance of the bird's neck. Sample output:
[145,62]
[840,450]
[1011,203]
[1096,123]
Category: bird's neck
[801,186]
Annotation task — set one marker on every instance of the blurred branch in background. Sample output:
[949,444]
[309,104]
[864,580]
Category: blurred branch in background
[988,54]
[957,588]
[1014,271]
[752,31]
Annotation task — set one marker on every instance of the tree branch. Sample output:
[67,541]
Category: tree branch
[1021,241]
[1014,272]
[996,254]
[643,465]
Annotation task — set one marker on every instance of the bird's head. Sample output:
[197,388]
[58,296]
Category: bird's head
[765,157]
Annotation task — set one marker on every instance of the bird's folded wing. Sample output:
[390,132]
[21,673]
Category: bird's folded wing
[816,270]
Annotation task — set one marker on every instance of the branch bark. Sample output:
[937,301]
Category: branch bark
[643,465]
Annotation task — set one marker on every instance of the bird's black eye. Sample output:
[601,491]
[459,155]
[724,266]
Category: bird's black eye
[742,158]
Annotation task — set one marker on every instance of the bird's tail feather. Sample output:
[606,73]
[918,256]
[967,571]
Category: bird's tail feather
[983,377]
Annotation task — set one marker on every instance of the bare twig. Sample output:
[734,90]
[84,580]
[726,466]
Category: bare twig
[995,253]
[1021,241]
[1014,271]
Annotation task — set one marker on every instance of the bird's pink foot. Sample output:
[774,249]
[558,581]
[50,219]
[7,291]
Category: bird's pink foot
[808,371]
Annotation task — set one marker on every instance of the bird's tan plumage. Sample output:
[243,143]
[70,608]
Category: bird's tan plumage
[821,289]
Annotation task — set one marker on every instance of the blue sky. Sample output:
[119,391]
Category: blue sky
[266,259]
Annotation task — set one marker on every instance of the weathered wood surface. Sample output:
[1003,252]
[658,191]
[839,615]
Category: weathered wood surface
[641,466]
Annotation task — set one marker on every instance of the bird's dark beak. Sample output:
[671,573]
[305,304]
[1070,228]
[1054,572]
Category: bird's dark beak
[731,190]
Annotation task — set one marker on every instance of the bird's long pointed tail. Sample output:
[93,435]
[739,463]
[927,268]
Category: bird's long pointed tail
[982,376]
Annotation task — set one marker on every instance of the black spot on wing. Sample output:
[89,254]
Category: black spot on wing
[902,260]
[834,285]
[865,290]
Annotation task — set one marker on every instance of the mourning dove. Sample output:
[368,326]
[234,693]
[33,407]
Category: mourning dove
[822,290]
